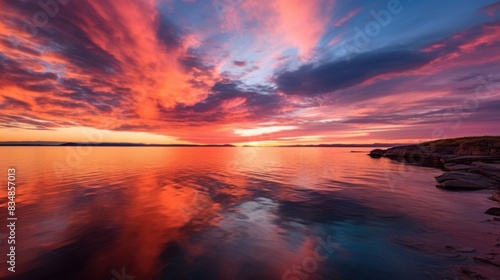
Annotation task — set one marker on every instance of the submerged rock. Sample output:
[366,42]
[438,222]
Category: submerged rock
[493,211]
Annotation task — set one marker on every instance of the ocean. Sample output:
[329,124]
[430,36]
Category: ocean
[235,213]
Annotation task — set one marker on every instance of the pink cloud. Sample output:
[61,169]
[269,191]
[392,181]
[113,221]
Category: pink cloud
[347,17]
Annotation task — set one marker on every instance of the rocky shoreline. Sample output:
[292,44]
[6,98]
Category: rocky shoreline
[470,163]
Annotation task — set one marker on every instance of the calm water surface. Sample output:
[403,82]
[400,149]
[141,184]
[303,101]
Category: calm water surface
[236,213]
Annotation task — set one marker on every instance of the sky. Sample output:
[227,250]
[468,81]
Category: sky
[249,71]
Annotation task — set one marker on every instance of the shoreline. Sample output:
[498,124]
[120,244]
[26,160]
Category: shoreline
[470,163]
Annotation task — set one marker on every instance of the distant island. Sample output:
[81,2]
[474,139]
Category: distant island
[105,144]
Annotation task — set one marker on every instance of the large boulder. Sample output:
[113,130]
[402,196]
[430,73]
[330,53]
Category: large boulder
[490,170]
[377,153]
[495,211]
[465,181]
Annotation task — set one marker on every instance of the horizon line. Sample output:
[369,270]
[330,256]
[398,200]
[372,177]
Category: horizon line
[135,144]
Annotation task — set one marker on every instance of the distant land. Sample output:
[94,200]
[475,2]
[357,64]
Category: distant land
[104,144]
[118,144]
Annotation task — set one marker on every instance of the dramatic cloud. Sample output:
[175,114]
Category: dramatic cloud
[329,77]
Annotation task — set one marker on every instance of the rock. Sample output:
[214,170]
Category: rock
[471,158]
[474,148]
[399,152]
[457,167]
[377,153]
[465,180]
[411,152]
[416,154]
[493,166]
[491,170]
[473,162]
[493,211]
[496,195]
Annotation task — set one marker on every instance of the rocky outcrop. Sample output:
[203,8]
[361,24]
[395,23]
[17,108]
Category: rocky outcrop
[473,163]
[377,153]
[476,175]
[488,146]
[465,180]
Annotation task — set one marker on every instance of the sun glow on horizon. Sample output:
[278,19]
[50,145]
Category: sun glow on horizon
[262,130]
[87,135]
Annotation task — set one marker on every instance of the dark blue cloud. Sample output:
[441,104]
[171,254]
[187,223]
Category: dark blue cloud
[261,102]
[63,33]
[168,33]
[312,79]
